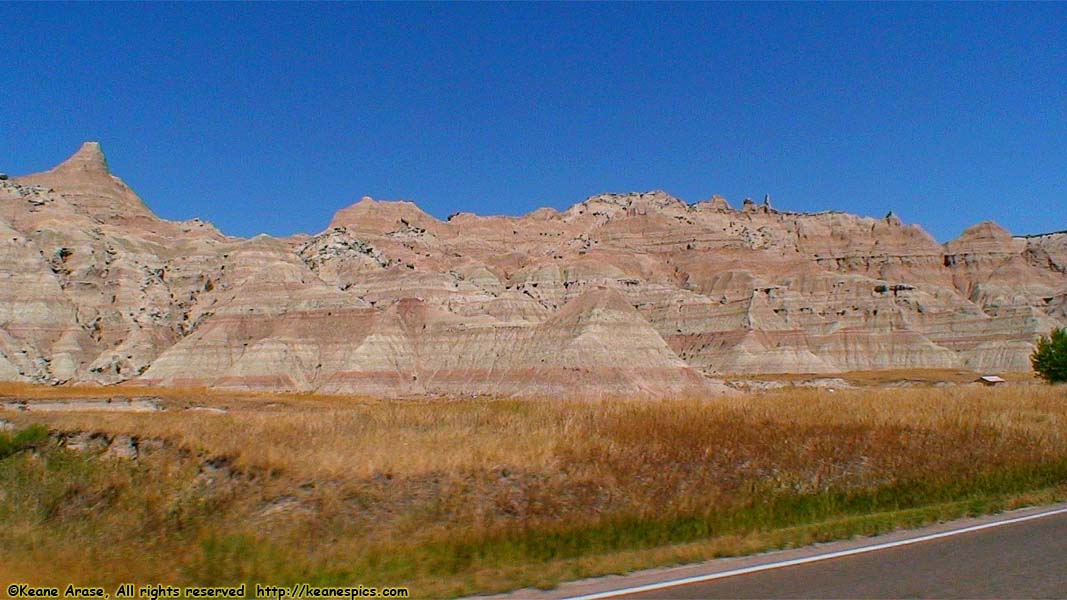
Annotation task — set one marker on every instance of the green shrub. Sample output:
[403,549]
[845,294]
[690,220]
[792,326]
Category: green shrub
[1050,357]
[24,439]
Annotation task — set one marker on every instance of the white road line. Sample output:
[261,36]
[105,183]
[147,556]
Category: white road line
[810,559]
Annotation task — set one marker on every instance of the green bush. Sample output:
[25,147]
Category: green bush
[24,439]
[1050,357]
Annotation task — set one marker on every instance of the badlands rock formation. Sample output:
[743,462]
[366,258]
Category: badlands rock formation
[618,295]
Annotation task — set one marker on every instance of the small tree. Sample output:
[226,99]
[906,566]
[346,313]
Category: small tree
[1050,357]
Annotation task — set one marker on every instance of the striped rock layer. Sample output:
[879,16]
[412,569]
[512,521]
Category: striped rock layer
[621,294]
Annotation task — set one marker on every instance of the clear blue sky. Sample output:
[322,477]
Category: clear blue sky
[270,117]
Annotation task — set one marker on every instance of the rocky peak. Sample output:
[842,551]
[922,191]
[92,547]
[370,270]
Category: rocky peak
[543,214]
[85,187]
[985,238]
[630,204]
[383,216]
[720,203]
[88,159]
[986,230]
[716,203]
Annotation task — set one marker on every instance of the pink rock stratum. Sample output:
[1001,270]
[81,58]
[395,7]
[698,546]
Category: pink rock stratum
[622,294]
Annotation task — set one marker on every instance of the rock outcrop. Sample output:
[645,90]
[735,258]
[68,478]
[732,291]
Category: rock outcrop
[619,294]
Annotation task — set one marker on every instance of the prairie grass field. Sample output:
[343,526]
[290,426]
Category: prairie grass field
[455,497]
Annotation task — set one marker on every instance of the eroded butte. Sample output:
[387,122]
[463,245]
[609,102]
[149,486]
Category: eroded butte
[631,294]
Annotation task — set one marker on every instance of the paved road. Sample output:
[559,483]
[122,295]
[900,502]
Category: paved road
[1020,560]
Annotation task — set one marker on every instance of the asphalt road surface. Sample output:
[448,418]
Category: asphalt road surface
[1019,560]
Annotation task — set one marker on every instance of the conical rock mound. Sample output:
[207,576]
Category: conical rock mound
[85,187]
[88,159]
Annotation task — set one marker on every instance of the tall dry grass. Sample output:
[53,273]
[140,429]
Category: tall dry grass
[483,494]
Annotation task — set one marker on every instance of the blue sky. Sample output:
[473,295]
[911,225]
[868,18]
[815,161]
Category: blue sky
[270,117]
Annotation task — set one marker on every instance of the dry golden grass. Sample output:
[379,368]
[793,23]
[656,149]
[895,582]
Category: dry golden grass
[328,438]
[181,395]
[890,376]
[468,495]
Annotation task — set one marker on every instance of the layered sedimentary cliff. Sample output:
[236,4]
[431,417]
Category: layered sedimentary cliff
[620,294]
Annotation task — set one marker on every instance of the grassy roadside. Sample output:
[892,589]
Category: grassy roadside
[832,529]
[746,532]
[459,497]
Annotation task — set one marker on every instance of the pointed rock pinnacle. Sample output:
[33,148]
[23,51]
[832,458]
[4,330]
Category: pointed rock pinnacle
[88,158]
